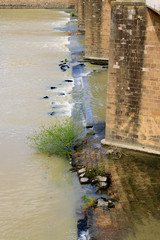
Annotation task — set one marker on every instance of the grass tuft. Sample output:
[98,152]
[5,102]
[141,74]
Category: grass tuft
[72,14]
[94,172]
[59,139]
[88,202]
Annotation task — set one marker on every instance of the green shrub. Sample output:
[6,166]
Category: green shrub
[72,14]
[59,139]
[88,201]
[93,172]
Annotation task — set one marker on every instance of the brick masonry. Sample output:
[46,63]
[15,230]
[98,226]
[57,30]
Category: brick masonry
[97,26]
[37,3]
[133,94]
[81,14]
[76,6]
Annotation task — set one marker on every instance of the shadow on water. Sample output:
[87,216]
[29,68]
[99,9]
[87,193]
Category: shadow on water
[139,177]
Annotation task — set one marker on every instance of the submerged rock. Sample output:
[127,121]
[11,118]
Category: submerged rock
[111,204]
[72,169]
[61,94]
[82,170]
[82,229]
[84,180]
[64,67]
[110,151]
[103,185]
[52,113]
[82,175]
[101,179]
[68,80]
[102,203]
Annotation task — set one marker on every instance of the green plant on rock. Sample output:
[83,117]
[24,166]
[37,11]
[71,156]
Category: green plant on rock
[102,169]
[59,139]
[93,172]
[88,201]
[72,14]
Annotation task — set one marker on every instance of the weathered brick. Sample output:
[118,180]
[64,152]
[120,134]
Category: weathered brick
[134,72]
[97,25]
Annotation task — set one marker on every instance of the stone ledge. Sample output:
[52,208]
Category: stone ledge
[130,147]
[98,61]
[132,3]
[154,10]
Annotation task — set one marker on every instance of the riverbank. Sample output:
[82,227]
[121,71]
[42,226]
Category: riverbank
[134,187]
[97,221]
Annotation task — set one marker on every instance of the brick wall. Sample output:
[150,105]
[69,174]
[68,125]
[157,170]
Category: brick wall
[149,121]
[133,94]
[38,3]
[76,6]
[97,19]
[81,14]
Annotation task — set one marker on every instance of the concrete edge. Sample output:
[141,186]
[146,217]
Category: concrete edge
[97,61]
[154,10]
[130,147]
[131,3]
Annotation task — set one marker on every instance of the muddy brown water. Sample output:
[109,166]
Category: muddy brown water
[38,194]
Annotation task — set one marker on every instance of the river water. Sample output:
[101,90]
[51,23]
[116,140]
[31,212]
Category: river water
[38,194]
[39,197]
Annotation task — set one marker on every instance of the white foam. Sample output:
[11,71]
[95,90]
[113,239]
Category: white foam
[84,236]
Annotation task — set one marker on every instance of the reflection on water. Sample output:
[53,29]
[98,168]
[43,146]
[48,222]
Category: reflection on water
[139,175]
[98,88]
[38,194]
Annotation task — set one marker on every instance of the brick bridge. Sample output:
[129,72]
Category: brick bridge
[127,33]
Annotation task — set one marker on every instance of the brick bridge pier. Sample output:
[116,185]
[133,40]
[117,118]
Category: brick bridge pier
[127,33]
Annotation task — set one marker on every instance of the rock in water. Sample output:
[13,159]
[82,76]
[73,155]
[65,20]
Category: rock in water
[103,185]
[82,175]
[111,204]
[84,180]
[101,179]
[102,203]
[51,113]
[82,170]
[110,151]
[68,80]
